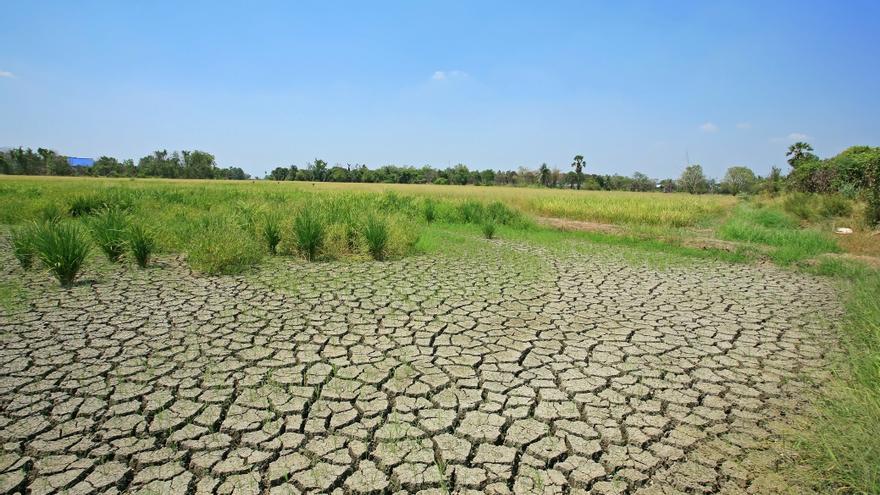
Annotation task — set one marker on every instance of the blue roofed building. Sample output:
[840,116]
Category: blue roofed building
[80,162]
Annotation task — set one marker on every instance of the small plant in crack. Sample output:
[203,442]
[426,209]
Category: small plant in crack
[141,243]
[23,245]
[271,233]
[488,229]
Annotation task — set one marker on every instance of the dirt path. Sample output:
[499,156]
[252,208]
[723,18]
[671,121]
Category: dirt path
[496,374]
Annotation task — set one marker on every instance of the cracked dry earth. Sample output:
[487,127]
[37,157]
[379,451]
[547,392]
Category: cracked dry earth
[515,371]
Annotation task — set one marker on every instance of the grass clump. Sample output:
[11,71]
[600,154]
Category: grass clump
[221,247]
[488,229]
[141,244]
[23,246]
[271,233]
[429,210]
[63,248]
[308,233]
[376,235]
[109,229]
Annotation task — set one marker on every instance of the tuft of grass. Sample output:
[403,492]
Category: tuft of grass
[429,210]
[51,213]
[376,235]
[835,205]
[63,248]
[23,245]
[84,205]
[222,247]
[271,233]
[109,229]
[141,243]
[308,232]
[488,229]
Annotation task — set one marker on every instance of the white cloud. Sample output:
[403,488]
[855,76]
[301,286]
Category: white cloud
[744,125]
[6,73]
[791,138]
[709,127]
[442,75]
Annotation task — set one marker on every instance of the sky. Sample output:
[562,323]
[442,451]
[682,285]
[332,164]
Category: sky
[631,86]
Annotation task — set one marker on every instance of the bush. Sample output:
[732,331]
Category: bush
[23,246]
[376,235]
[272,233]
[488,229]
[308,233]
[63,248]
[222,247]
[84,205]
[799,205]
[835,205]
[471,211]
[141,244]
[109,231]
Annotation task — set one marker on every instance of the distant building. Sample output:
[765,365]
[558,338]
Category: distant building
[80,162]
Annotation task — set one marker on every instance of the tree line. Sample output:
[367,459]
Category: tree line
[176,165]
[853,172]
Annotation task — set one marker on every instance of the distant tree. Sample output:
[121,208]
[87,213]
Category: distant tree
[799,153]
[578,165]
[641,182]
[318,169]
[667,185]
[739,180]
[488,177]
[106,166]
[278,173]
[773,182]
[544,174]
[555,177]
[693,180]
[458,174]
[198,165]
[338,174]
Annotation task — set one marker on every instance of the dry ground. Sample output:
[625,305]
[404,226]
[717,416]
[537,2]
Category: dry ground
[519,370]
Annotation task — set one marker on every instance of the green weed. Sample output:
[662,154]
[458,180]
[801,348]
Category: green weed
[63,248]
[109,228]
[141,243]
[23,245]
[308,232]
[376,236]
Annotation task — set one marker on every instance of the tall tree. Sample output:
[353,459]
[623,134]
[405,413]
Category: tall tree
[799,153]
[739,180]
[544,173]
[578,165]
[693,180]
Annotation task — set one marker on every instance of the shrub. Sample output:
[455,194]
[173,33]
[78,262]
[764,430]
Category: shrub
[23,246]
[141,243]
[84,205]
[272,233]
[51,213]
[835,205]
[222,247]
[63,248]
[109,231]
[471,211]
[376,235]
[488,229]
[799,205]
[308,233]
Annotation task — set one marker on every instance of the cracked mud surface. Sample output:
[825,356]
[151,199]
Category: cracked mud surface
[519,371]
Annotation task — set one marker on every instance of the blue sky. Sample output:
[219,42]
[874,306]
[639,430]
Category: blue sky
[633,86]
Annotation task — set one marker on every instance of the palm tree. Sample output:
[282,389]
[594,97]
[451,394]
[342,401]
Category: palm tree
[579,169]
[544,172]
[798,152]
